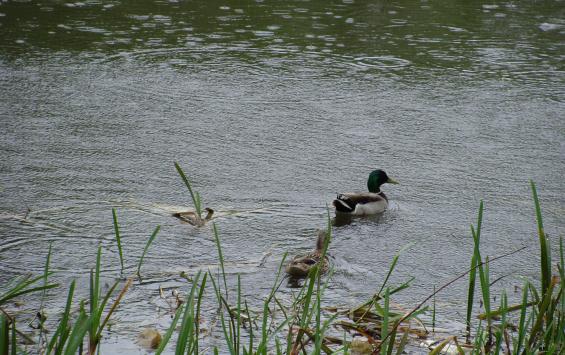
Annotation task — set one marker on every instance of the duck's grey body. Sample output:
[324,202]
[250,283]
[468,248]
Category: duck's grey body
[361,204]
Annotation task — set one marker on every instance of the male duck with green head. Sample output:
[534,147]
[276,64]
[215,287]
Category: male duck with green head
[365,203]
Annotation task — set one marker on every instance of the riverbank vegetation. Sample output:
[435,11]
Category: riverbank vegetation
[305,324]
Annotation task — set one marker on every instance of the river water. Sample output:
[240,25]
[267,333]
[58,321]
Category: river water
[272,108]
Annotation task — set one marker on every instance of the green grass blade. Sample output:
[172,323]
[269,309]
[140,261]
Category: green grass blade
[104,301]
[438,349]
[151,238]
[187,325]
[384,328]
[220,257]
[537,328]
[522,322]
[114,304]
[483,270]
[251,328]
[169,332]
[62,332]
[4,334]
[262,347]
[390,270]
[20,285]
[195,348]
[195,197]
[94,301]
[44,293]
[502,325]
[198,203]
[66,315]
[434,311]
[76,337]
[403,343]
[545,255]
[28,290]
[473,273]
[14,343]
[46,273]
[317,310]
[238,327]
[221,304]
[118,239]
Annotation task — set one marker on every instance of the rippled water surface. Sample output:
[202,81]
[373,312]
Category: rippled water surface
[272,107]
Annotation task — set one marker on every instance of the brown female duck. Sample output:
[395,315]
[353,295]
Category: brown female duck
[301,265]
[193,217]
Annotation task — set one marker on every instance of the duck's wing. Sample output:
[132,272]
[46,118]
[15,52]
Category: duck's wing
[187,214]
[347,202]
[189,217]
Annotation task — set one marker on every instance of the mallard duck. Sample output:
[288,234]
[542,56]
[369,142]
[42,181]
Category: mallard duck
[300,266]
[365,203]
[193,217]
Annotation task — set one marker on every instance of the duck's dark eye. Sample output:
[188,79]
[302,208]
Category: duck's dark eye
[310,261]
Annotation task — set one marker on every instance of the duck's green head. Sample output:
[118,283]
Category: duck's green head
[377,178]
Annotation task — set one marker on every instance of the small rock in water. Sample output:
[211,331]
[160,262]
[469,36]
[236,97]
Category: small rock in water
[149,338]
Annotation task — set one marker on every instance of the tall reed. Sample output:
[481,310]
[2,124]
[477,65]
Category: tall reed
[146,248]
[193,194]
[118,240]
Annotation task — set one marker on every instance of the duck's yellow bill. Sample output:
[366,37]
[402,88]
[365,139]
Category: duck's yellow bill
[392,181]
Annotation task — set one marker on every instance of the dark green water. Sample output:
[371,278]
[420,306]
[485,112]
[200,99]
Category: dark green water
[272,107]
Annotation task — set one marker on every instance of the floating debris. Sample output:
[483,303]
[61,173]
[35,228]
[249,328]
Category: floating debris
[149,338]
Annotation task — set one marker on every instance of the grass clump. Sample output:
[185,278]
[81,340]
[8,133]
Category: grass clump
[303,325]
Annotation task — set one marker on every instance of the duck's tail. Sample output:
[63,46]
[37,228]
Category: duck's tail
[341,204]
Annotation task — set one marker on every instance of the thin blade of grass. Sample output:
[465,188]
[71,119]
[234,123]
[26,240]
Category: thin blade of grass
[94,302]
[238,327]
[64,324]
[4,334]
[437,350]
[76,337]
[545,256]
[46,274]
[473,273]
[19,286]
[118,240]
[521,324]
[195,348]
[170,331]
[14,348]
[537,328]
[384,327]
[195,197]
[403,343]
[187,325]
[151,238]
[114,305]
[221,301]
[220,256]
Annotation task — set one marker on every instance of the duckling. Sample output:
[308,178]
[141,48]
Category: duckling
[300,266]
[149,338]
[365,203]
[193,217]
